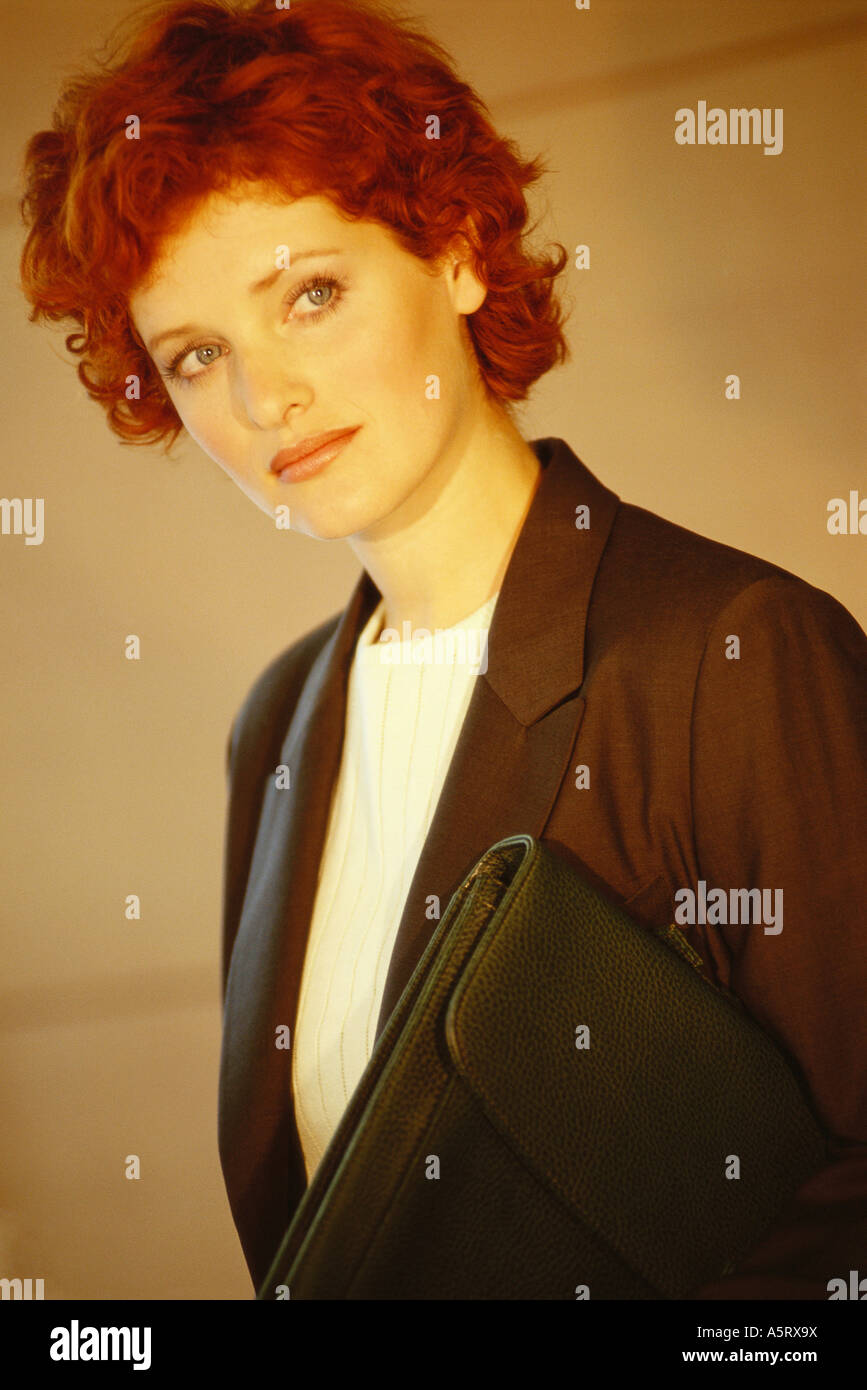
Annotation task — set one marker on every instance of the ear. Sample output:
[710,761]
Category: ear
[464,269]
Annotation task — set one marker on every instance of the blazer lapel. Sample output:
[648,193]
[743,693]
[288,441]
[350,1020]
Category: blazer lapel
[516,742]
[513,752]
[259,1144]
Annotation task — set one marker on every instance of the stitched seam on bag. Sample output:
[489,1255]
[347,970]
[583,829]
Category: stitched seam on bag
[470,900]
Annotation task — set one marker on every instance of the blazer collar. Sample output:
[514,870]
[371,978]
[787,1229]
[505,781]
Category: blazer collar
[536,639]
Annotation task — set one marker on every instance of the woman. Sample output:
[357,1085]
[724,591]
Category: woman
[295,234]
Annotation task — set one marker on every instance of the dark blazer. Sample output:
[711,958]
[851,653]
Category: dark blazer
[607,650]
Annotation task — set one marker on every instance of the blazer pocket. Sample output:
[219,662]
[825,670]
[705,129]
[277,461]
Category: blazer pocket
[653,906]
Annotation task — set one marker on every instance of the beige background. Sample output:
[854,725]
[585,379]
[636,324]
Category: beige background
[703,262]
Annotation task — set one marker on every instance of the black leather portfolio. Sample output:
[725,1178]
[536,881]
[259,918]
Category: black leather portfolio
[560,1106]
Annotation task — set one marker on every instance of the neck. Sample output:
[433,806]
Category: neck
[445,550]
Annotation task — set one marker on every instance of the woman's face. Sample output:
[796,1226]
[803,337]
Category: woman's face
[260,370]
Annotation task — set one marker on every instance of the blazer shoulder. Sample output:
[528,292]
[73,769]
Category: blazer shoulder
[680,556]
[676,574]
[665,588]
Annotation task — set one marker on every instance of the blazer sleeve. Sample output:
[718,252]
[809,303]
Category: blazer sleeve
[779,801]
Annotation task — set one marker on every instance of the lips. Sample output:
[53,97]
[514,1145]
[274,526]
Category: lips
[308,447]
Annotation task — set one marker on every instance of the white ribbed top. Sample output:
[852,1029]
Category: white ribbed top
[406,702]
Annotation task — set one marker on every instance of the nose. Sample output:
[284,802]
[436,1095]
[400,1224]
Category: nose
[269,385]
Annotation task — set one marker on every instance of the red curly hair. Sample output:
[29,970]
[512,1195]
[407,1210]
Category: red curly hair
[331,97]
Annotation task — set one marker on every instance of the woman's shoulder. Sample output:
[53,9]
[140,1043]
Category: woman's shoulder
[667,594]
[672,574]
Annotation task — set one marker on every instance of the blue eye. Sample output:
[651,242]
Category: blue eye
[317,289]
[315,284]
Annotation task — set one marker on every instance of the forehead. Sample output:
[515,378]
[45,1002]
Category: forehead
[241,222]
[242,234]
[252,208]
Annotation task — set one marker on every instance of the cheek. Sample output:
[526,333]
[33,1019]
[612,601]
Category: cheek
[395,356]
[209,425]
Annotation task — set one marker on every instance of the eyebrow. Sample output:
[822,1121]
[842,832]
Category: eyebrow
[258,287]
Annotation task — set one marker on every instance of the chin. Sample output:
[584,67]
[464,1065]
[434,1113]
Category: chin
[338,523]
[335,529]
